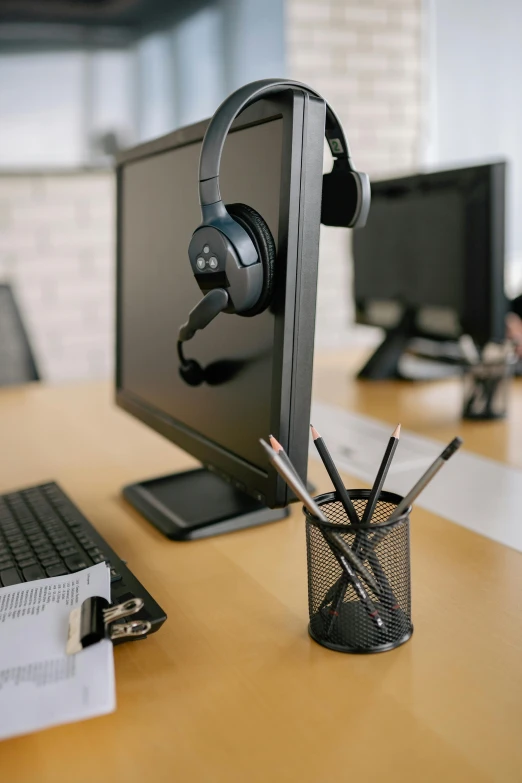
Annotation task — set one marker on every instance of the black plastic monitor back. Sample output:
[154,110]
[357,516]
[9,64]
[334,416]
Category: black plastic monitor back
[274,164]
[433,249]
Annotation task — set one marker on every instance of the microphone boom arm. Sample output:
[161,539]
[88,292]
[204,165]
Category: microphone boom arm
[203,313]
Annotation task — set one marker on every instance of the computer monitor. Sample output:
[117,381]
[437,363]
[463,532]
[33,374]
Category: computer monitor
[272,161]
[430,262]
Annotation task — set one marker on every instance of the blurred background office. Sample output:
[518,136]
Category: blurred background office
[416,82]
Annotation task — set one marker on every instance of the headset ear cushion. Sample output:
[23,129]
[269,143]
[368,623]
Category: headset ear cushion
[260,234]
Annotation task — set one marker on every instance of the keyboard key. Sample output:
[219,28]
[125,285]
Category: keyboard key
[28,561]
[34,572]
[60,541]
[22,552]
[65,551]
[10,576]
[44,554]
[45,550]
[11,533]
[6,562]
[22,544]
[76,563]
[49,561]
[57,570]
[98,558]
[115,576]
[31,531]
[23,556]
[36,540]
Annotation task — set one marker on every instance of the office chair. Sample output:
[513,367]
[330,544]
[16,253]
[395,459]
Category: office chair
[17,364]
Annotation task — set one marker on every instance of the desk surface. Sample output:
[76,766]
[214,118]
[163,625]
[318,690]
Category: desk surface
[232,688]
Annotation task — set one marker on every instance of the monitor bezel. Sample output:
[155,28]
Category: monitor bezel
[298,243]
[484,304]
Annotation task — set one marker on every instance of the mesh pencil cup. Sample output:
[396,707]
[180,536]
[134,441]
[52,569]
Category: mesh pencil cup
[486,390]
[341,616]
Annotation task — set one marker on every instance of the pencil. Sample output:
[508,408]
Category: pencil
[282,453]
[425,479]
[416,490]
[336,479]
[382,473]
[339,548]
[376,490]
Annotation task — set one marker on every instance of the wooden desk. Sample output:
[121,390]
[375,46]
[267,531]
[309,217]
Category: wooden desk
[232,689]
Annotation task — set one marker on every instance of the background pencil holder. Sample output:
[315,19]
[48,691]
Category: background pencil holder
[339,619]
[486,390]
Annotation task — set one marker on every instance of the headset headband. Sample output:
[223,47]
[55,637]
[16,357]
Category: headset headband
[219,126]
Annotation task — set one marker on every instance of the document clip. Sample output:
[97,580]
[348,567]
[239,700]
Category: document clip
[93,621]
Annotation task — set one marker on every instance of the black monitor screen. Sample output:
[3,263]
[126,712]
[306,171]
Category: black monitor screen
[433,249]
[160,210]
[412,248]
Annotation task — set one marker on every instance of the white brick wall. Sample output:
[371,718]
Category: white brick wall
[364,56]
[56,248]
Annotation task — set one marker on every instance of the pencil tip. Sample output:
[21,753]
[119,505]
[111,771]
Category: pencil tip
[315,434]
[275,444]
[397,432]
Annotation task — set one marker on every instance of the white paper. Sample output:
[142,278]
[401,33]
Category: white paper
[476,492]
[41,686]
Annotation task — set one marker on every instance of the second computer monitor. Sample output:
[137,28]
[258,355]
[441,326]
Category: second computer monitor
[432,255]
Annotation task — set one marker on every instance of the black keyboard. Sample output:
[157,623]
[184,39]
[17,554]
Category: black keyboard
[42,534]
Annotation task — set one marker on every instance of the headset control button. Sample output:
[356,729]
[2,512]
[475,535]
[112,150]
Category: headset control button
[200,263]
[206,249]
[213,262]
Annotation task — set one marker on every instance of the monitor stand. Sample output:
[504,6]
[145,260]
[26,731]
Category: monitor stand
[383,364]
[397,357]
[196,504]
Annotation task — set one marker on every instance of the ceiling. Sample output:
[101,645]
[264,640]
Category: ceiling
[50,25]
[122,13]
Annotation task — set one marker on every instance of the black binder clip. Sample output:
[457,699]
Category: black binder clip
[93,621]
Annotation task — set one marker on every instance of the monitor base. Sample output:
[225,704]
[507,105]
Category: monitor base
[197,504]
[383,364]
[403,356]
[415,367]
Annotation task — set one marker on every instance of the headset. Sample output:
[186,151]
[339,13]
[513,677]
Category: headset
[232,253]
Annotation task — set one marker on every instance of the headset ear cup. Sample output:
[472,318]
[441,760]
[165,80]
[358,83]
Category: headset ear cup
[346,198]
[261,236]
